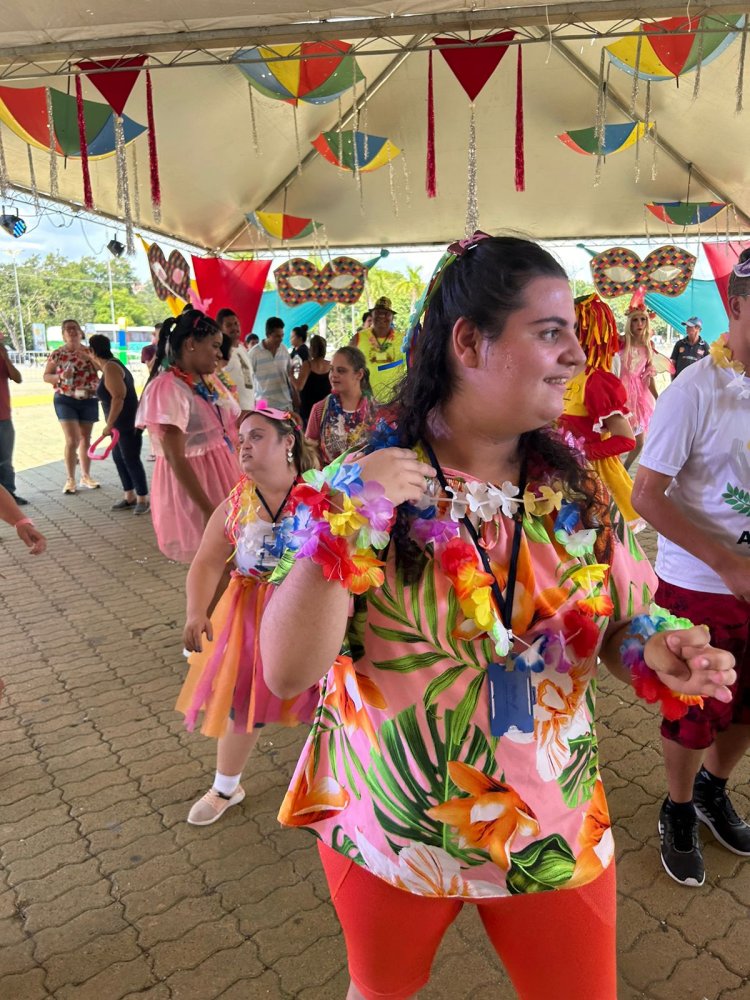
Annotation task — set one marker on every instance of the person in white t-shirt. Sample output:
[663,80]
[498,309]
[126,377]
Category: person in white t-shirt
[692,486]
[238,366]
[271,365]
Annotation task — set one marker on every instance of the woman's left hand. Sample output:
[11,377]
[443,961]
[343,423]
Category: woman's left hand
[32,538]
[687,663]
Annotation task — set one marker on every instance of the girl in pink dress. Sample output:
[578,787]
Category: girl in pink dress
[191,420]
[637,375]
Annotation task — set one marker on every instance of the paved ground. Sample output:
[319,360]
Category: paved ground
[106,893]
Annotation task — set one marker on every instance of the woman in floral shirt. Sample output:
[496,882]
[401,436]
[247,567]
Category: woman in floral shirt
[453,755]
[71,371]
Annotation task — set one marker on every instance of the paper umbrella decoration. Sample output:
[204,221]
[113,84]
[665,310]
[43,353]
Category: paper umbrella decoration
[686,213]
[313,72]
[356,151]
[616,138]
[667,49]
[280,226]
[24,111]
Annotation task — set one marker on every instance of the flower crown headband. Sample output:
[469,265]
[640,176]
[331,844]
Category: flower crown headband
[453,252]
[273,413]
[640,309]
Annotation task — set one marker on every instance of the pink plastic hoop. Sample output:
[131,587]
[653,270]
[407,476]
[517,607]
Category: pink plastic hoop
[108,450]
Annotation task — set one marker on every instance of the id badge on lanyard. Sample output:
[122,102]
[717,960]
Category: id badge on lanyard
[511,696]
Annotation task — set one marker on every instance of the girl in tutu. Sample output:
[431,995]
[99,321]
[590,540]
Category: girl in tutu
[637,371]
[226,676]
[191,419]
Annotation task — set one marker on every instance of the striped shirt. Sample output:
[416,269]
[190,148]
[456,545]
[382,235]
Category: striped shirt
[270,376]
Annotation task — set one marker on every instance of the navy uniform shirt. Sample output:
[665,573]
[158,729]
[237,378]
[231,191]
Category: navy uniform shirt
[685,354]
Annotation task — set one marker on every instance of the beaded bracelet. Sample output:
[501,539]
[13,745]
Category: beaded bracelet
[339,521]
[646,682]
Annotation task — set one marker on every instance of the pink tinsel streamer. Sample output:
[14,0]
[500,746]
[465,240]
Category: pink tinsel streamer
[520,159]
[431,173]
[88,198]
[153,156]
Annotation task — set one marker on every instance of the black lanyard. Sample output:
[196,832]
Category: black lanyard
[274,517]
[504,604]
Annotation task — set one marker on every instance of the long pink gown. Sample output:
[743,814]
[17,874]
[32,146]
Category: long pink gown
[210,444]
[636,374]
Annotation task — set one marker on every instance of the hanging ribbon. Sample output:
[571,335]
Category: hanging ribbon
[431,168]
[153,156]
[88,198]
[520,158]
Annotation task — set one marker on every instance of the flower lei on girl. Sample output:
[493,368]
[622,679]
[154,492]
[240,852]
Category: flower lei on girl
[196,385]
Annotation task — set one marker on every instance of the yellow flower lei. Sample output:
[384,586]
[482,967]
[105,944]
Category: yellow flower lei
[721,355]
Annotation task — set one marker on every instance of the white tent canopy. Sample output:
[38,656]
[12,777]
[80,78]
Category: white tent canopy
[211,175]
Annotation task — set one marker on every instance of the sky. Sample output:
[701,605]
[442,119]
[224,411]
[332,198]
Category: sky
[78,235]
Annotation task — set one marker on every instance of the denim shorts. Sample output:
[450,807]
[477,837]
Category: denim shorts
[83,411]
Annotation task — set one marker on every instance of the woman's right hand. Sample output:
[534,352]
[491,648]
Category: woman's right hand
[194,629]
[399,471]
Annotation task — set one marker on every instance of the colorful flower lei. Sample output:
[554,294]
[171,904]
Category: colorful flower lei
[646,682]
[339,521]
[198,386]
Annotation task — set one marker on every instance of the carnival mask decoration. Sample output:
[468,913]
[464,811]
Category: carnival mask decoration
[341,280]
[618,271]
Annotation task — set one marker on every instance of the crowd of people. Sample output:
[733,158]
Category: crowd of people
[453,510]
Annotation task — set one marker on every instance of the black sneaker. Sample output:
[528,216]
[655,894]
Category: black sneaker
[714,808]
[680,847]
[19,500]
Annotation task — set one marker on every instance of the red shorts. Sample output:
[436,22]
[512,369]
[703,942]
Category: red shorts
[729,621]
[553,944]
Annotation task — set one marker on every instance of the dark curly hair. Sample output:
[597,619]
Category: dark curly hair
[486,284]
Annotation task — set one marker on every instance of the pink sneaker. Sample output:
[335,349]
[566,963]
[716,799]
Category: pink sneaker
[213,806]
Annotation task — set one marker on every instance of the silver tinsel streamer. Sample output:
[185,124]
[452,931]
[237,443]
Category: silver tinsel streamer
[638,153]
[3,168]
[391,184]
[340,130]
[136,190]
[697,83]
[32,178]
[355,151]
[636,72]
[655,141]
[366,141]
[253,124]
[407,185]
[54,188]
[645,224]
[123,185]
[472,202]
[601,118]
[296,141]
[741,72]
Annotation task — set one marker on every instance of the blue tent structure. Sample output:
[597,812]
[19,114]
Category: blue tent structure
[700,298]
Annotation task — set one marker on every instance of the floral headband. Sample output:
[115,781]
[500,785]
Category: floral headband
[273,413]
[455,250]
[742,268]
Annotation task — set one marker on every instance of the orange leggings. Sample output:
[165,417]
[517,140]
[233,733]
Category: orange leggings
[552,944]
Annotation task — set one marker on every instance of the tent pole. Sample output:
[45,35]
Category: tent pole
[372,88]
[624,107]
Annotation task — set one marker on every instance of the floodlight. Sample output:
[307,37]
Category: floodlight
[13,225]
[116,248]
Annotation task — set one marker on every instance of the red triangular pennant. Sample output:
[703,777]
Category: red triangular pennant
[473,66]
[115,88]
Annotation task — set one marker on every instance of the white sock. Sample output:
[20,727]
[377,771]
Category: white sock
[226,784]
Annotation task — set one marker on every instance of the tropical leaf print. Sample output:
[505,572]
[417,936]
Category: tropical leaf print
[580,775]
[408,774]
[343,843]
[415,621]
[737,498]
[546,864]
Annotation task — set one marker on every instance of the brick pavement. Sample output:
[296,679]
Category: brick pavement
[106,893]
